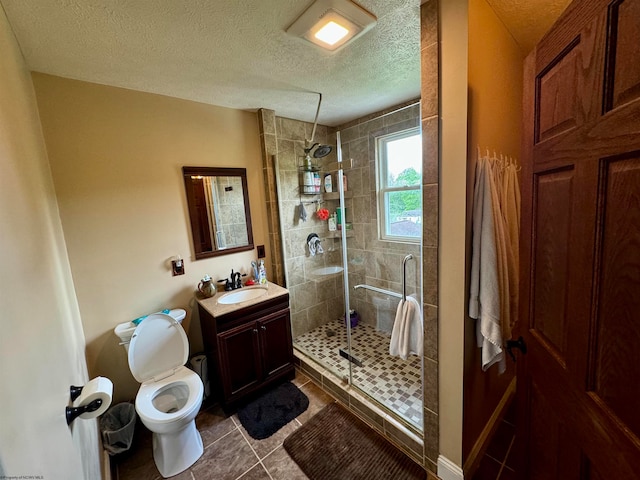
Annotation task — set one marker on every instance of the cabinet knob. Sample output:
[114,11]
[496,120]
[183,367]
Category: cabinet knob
[255,330]
[263,328]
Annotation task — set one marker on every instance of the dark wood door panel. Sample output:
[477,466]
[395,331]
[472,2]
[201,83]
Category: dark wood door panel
[276,340]
[557,107]
[552,453]
[553,199]
[623,51]
[564,85]
[611,448]
[240,359]
[617,339]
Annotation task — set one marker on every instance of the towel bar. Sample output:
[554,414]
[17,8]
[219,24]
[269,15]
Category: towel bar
[402,295]
[379,290]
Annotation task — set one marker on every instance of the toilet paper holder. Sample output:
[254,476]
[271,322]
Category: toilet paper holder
[74,412]
[93,399]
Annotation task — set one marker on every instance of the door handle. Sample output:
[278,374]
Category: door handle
[519,344]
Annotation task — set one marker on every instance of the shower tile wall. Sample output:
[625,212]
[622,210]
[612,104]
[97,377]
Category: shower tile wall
[315,299]
[372,261]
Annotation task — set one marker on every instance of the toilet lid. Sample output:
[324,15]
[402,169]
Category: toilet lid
[158,346]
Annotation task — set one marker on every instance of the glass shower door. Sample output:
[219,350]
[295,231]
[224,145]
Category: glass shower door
[381,248]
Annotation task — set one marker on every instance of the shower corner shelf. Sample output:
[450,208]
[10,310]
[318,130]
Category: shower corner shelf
[336,195]
[310,179]
[338,234]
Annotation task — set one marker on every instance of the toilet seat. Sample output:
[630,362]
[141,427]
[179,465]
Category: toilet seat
[158,347]
[148,391]
[158,350]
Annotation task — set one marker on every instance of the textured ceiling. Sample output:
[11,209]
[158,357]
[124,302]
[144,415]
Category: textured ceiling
[235,53]
[528,20]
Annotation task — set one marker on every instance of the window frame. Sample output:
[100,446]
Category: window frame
[382,189]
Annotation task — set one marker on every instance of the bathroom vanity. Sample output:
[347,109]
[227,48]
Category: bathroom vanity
[247,341]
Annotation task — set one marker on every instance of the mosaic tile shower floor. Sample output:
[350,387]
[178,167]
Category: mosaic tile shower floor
[393,382]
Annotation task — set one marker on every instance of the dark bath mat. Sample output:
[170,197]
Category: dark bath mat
[267,414]
[335,445]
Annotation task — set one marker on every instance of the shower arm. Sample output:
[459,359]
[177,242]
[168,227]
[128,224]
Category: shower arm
[315,122]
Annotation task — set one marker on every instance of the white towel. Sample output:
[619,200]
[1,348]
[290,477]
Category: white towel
[406,336]
[484,295]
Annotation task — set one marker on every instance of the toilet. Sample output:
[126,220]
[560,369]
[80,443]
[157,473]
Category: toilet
[170,394]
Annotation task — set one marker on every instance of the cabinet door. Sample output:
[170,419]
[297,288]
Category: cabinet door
[275,336]
[239,359]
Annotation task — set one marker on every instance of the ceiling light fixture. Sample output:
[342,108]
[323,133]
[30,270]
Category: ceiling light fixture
[332,23]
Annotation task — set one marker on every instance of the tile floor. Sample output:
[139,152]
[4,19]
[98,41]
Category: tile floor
[497,463]
[230,453]
[393,382]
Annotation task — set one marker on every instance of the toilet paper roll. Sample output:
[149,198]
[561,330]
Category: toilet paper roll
[98,388]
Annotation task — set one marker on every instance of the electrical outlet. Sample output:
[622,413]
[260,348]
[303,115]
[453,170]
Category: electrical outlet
[261,253]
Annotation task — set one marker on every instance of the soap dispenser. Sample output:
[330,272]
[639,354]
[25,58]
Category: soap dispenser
[262,273]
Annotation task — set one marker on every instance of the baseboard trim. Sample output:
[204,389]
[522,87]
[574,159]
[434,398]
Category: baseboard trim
[447,470]
[107,466]
[477,452]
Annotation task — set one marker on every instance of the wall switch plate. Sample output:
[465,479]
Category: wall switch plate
[261,253]
[177,267]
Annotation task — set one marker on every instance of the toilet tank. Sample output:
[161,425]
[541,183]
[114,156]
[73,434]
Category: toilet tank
[125,330]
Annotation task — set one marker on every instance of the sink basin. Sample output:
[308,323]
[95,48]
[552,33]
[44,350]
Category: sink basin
[327,270]
[241,296]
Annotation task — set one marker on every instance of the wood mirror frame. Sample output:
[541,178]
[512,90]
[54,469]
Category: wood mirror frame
[204,204]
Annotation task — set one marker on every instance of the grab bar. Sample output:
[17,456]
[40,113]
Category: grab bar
[402,295]
[379,290]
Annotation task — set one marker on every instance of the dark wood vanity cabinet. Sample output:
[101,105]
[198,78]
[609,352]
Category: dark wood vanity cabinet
[248,348]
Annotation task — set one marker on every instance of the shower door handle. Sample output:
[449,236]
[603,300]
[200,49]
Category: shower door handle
[404,276]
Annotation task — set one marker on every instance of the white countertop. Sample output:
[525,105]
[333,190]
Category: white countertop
[216,309]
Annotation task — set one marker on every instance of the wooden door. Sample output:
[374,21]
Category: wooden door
[240,360]
[276,342]
[579,384]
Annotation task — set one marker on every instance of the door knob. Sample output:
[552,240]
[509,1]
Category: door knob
[519,344]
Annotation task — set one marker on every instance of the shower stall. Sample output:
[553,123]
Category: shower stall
[345,294]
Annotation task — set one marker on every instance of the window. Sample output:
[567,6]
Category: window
[399,162]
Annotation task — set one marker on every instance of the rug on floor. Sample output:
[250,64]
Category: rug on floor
[334,444]
[267,414]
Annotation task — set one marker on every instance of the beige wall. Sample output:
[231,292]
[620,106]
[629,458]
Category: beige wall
[451,271]
[495,115]
[42,342]
[495,84]
[116,158]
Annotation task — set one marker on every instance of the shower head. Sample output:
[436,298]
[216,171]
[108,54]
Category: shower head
[322,151]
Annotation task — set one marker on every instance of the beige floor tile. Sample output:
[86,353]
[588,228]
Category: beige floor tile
[282,467]
[318,399]
[256,473]
[213,424]
[225,459]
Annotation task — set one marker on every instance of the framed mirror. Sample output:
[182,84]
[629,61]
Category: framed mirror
[218,202]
